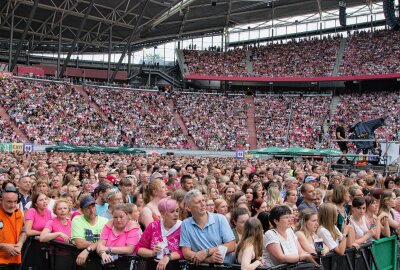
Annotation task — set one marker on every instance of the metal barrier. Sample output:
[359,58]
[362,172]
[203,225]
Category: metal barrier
[60,256]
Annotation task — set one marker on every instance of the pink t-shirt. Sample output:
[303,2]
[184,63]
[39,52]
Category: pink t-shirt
[38,220]
[152,235]
[125,238]
[74,214]
[54,225]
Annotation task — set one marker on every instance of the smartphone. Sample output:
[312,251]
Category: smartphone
[348,220]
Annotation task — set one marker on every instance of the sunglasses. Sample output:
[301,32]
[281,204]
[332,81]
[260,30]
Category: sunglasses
[10,189]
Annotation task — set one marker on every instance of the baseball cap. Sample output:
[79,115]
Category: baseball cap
[309,179]
[112,179]
[87,201]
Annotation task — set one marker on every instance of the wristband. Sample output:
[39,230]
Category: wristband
[169,256]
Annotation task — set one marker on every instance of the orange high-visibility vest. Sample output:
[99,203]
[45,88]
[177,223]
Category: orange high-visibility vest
[10,230]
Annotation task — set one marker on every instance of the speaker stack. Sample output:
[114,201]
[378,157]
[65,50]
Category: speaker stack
[342,13]
[391,20]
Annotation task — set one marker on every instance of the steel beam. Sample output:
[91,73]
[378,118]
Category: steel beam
[74,42]
[134,33]
[11,41]
[108,28]
[21,40]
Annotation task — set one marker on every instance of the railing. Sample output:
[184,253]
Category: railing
[60,256]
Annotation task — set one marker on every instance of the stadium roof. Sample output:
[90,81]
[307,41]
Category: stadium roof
[143,22]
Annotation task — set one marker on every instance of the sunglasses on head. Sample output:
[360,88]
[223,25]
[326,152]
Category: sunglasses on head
[12,189]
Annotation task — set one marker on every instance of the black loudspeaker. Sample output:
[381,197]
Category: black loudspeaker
[169,153]
[391,20]
[342,13]
[213,3]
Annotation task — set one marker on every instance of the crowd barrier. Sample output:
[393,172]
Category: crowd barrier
[379,255]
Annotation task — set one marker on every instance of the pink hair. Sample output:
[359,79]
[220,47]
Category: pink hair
[167,205]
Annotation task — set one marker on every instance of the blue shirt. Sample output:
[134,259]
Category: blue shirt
[100,209]
[216,232]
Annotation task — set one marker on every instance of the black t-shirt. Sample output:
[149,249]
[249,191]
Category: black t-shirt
[342,132]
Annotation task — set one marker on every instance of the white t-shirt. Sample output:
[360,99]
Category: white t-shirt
[328,239]
[289,245]
[359,229]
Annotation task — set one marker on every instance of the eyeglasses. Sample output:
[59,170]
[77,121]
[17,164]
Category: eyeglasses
[211,204]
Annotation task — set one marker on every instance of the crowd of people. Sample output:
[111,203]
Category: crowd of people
[290,121]
[7,133]
[369,53]
[144,119]
[365,53]
[50,113]
[307,58]
[271,119]
[205,210]
[215,122]
[308,116]
[363,106]
[231,63]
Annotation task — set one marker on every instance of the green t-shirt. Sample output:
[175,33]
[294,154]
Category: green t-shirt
[82,229]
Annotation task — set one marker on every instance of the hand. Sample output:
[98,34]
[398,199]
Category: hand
[309,258]
[64,237]
[157,248]
[81,259]
[18,248]
[199,256]
[101,249]
[346,229]
[383,215]
[372,231]
[106,258]
[384,220]
[261,260]
[216,257]
[357,246]
[162,264]
[11,249]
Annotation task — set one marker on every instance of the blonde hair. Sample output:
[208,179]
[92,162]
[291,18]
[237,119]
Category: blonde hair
[305,216]
[218,202]
[62,201]
[327,217]
[273,197]
[150,188]
[253,235]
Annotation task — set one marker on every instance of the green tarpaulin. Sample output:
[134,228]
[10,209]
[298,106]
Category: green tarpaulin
[94,149]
